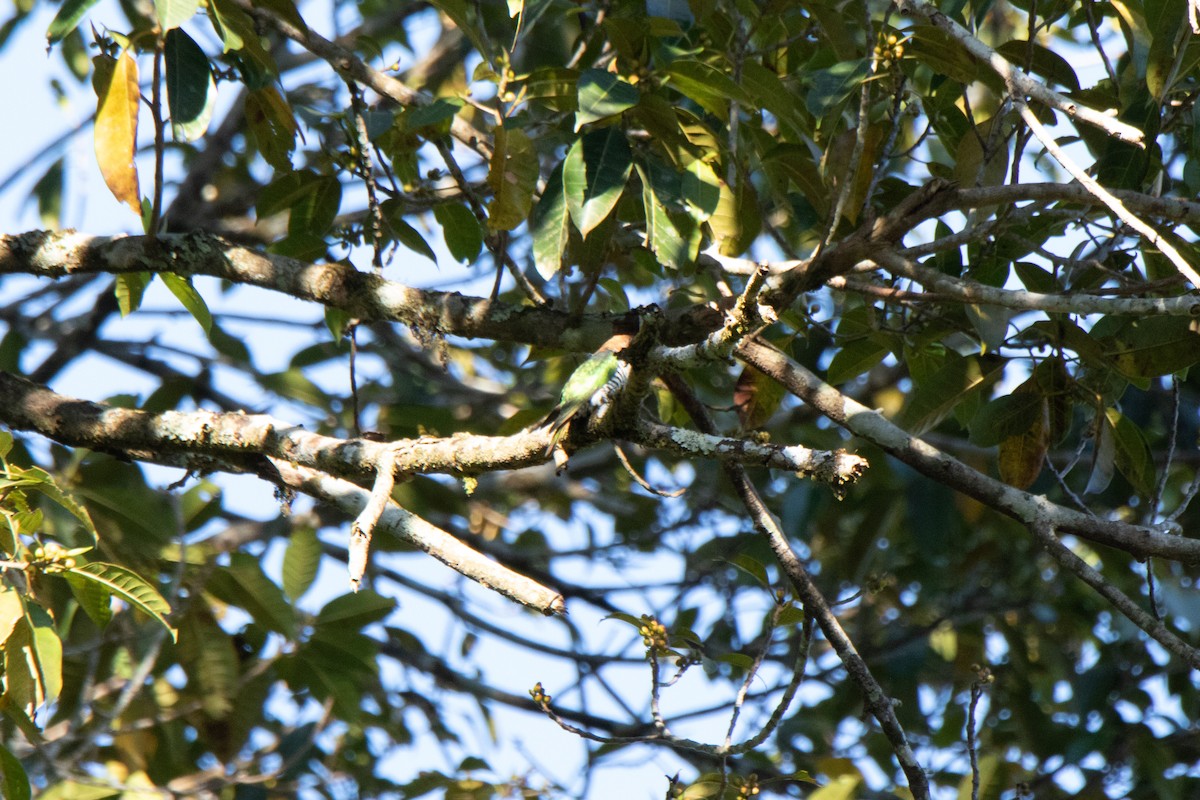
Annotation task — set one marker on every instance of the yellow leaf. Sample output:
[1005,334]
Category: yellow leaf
[116,127]
[1021,456]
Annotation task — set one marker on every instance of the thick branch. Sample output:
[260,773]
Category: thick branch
[928,460]
[362,295]
[191,438]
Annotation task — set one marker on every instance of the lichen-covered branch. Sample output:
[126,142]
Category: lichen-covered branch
[1138,540]
[835,468]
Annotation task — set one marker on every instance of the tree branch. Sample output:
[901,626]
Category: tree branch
[347,64]
[1018,78]
[1137,540]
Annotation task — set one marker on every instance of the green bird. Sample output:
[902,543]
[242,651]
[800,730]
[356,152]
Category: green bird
[589,388]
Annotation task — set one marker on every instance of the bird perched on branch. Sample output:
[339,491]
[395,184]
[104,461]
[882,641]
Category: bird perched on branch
[590,387]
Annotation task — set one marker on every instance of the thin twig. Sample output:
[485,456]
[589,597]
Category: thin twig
[1106,197]
[1044,531]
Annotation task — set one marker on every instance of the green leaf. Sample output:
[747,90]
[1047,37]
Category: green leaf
[937,396]
[245,585]
[191,91]
[603,95]
[943,54]
[173,13]
[32,661]
[285,191]
[69,15]
[736,222]
[1042,61]
[550,226]
[665,237]
[337,321]
[739,660]
[436,115]
[1004,417]
[48,192]
[768,91]
[1149,347]
[93,598]
[128,586]
[11,611]
[831,86]
[752,567]
[461,231]
[354,611]
[512,175]
[797,164]
[595,172]
[557,86]
[398,229]
[300,562]
[14,783]
[1131,452]
[295,385]
[700,189]
[708,86]
[183,290]
[855,358]
[464,20]
[43,482]
[74,790]
[313,214]
[756,397]
[272,126]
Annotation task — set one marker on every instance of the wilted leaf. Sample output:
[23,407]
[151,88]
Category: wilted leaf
[1022,455]
[756,398]
[116,85]
[513,176]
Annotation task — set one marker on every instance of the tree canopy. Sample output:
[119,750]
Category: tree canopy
[890,494]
